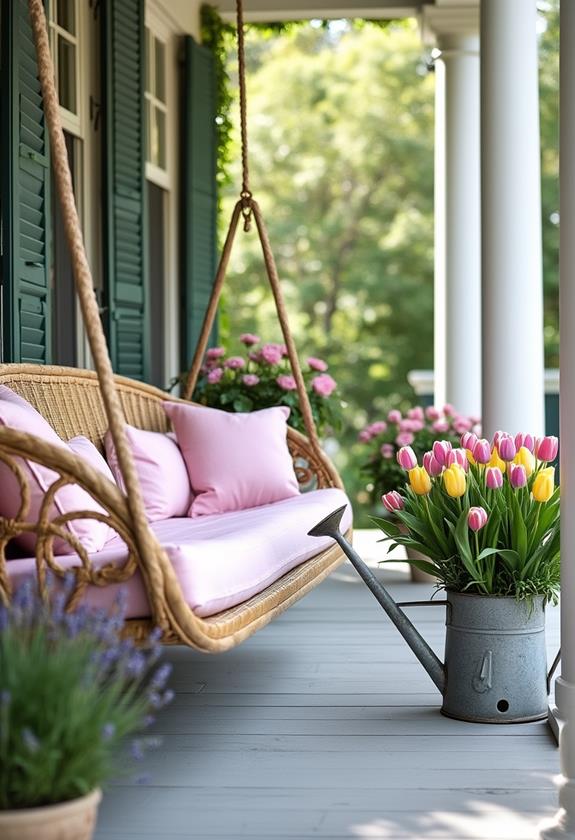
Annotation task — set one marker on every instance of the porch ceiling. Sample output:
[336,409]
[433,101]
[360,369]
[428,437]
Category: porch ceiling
[277,10]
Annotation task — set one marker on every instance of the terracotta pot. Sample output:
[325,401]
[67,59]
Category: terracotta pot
[73,820]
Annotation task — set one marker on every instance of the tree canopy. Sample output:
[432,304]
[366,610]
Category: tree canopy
[341,129]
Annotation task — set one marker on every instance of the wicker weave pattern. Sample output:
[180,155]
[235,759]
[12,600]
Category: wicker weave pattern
[70,400]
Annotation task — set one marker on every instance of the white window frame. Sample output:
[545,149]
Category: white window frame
[73,123]
[159,20]
[158,174]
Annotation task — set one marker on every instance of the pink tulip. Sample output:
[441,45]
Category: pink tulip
[406,458]
[525,440]
[324,384]
[432,413]
[496,437]
[493,478]
[215,375]
[387,450]
[394,416]
[317,364]
[404,439]
[416,413]
[393,501]
[517,475]
[547,449]
[378,427]
[440,450]
[250,379]
[468,441]
[482,451]
[286,382]
[449,410]
[417,425]
[431,464]
[249,339]
[506,448]
[477,518]
[457,456]
[254,356]
[364,436]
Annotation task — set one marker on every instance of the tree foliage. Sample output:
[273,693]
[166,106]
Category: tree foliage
[341,130]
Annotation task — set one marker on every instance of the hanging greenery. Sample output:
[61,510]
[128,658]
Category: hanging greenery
[217,36]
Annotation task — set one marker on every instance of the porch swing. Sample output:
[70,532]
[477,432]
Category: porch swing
[87,402]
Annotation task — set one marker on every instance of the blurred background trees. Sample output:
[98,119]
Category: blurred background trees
[341,124]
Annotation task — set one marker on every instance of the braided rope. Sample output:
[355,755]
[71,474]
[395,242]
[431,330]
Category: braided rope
[247,207]
[147,545]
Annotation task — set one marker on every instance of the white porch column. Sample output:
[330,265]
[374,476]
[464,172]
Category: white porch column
[454,29]
[513,397]
[563,826]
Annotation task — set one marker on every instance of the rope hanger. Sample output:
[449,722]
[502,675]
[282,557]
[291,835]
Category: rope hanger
[246,208]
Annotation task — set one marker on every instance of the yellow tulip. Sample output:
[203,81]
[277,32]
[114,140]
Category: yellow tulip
[525,457]
[544,485]
[470,457]
[454,481]
[419,480]
[496,461]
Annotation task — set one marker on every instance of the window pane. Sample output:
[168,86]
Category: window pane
[67,15]
[161,139]
[147,60]
[67,75]
[148,116]
[160,70]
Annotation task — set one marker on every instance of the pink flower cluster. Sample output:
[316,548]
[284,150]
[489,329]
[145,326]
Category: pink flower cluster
[417,419]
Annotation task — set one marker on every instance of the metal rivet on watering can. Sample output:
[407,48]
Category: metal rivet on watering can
[495,657]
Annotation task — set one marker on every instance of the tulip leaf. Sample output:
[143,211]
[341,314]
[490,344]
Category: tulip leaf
[388,527]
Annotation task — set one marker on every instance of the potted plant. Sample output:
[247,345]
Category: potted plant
[419,428]
[486,515]
[260,377]
[71,693]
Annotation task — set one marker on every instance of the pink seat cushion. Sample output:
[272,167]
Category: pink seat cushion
[161,469]
[221,560]
[234,461]
[18,414]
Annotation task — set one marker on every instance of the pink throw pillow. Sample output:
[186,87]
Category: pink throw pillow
[161,470]
[234,461]
[19,414]
[86,450]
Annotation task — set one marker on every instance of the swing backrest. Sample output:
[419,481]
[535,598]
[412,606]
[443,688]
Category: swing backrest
[71,400]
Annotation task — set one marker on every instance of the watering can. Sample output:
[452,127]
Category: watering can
[495,668]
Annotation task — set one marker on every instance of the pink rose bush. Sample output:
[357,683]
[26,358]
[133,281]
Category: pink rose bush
[418,428]
[262,377]
[484,515]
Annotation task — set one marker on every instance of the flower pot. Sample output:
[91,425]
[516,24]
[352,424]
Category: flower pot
[495,659]
[73,820]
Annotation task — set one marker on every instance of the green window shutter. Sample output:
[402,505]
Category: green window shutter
[25,208]
[199,201]
[124,204]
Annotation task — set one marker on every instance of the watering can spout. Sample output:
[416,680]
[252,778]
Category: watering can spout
[329,527]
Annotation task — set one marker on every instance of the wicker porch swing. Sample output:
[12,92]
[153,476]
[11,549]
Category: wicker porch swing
[90,402]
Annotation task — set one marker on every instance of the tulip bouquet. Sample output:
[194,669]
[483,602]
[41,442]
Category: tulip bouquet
[261,377]
[419,428]
[486,514]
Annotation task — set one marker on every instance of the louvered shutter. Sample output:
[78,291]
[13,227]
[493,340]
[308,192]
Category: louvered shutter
[124,205]
[25,206]
[199,202]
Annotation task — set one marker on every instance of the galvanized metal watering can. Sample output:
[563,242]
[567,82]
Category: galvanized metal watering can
[495,667]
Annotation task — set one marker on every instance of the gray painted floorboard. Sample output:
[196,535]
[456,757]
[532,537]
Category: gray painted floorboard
[324,726]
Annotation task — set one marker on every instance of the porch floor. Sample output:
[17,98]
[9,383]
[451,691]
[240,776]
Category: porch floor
[324,725]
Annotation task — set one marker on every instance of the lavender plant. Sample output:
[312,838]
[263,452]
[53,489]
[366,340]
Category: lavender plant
[72,692]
